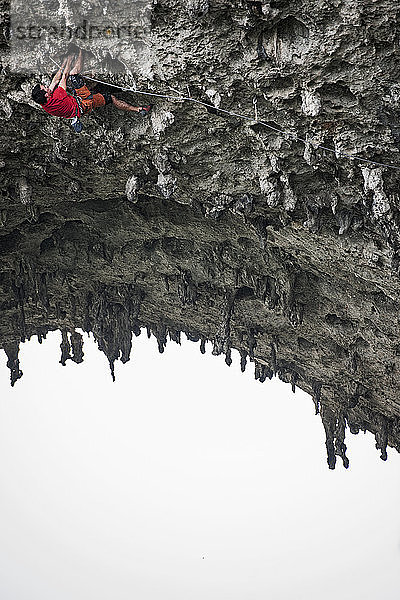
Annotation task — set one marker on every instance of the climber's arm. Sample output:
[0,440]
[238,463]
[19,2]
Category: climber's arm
[57,77]
[67,69]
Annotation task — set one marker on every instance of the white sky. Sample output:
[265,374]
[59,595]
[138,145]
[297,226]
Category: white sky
[119,490]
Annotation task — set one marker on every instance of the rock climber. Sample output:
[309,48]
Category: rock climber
[56,101]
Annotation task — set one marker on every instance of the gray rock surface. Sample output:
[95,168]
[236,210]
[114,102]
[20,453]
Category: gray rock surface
[193,221]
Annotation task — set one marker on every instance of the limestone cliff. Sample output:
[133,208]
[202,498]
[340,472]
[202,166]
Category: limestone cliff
[194,221]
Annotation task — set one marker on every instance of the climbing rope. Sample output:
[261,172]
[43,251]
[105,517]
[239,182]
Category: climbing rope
[282,132]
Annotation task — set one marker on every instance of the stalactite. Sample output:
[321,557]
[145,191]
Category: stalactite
[193,337]
[243,360]
[41,335]
[395,433]
[228,357]
[273,358]
[160,333]
[262,372]
[340,432]
[329,423]
[293,379]
[12,351]
[65,347]
[316,388]
[115,312]
[175,336]
[354,428]
[335,429]
[20,295]
[112,369]
[381,437]
[77,347]
[136,328]
[252,342]
[218,345]
[283,375]
[222,341]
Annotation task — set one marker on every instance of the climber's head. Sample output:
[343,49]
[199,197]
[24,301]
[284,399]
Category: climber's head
[40,94]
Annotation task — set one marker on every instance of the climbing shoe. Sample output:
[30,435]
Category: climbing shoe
[144,110]
[76,125]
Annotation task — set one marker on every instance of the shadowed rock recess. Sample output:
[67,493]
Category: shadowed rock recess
[191,221]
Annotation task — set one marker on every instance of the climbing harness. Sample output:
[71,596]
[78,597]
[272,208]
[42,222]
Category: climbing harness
[283,132]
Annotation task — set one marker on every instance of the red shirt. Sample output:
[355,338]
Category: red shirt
[61,104]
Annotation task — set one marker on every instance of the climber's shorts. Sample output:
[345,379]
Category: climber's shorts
[86,100]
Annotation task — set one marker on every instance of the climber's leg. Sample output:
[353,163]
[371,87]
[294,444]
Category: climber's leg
[77,68]
[122,105]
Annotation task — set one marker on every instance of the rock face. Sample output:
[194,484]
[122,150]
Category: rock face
[194,221]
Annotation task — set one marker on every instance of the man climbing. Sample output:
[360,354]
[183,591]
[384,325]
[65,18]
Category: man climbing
[56,101]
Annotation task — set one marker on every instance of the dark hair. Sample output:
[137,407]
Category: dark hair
[39,95]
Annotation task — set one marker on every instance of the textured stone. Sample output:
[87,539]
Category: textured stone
[198,222]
